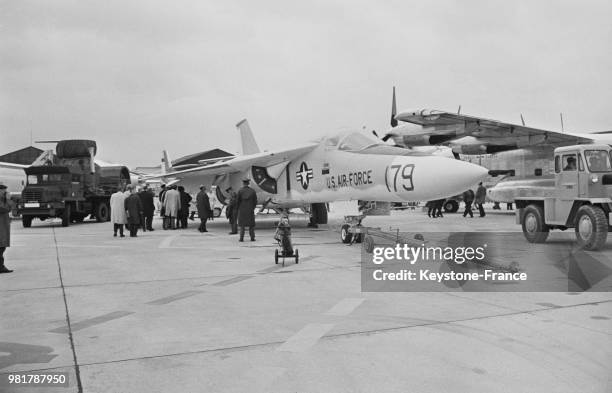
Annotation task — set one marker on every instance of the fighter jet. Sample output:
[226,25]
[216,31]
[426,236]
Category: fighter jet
[517,156]
[348,166]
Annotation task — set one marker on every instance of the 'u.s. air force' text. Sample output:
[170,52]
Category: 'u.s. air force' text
[351,179]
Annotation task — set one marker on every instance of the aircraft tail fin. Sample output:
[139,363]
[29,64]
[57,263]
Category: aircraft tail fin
[393,110]
[166,166]
[249,146]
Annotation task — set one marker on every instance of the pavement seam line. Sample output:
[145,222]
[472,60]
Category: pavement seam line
[77,370]
[326,336]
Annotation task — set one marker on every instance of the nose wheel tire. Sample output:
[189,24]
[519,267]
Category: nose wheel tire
[345,235]
[591,227]
[534,227]
[451,206]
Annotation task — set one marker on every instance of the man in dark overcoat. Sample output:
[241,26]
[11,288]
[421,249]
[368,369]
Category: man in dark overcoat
[148,207]
[231,212]
[246,201]
[5,226]
[479,200]
[203,206]
[183,215]
[468,198]
[133,209]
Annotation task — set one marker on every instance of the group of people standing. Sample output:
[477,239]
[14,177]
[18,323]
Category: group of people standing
[134,210]
[469,197]
[435,208]
[174,202]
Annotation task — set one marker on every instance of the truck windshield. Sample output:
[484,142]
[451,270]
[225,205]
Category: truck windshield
[47,178]
[598,160]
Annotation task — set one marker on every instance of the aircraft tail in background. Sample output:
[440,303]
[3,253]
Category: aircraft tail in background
[393,110]
[249,146]
[166,166]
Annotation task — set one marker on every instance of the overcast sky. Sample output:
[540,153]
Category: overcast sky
[140,76]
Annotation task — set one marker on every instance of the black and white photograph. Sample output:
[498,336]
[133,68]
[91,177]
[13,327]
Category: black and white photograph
[314,197]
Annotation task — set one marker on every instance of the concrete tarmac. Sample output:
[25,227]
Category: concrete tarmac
[180,311]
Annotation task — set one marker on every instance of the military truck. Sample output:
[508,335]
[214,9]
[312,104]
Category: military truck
[70,185]
[580,198]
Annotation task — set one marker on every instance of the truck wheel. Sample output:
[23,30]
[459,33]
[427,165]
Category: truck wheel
[451,206]
[26,221]
[102,212]
[534,227]
[591,227]
[66,216]
[345,235]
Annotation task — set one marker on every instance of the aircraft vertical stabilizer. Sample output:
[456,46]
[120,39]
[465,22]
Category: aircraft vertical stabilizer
[249,146]
[166,166]
[393,110]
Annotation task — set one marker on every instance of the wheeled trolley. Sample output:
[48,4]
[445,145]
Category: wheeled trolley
[283,237]
[375,236]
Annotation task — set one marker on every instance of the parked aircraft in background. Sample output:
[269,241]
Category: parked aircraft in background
[518,157]
[13,176]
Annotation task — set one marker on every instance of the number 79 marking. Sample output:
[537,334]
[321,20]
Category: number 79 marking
[405,179]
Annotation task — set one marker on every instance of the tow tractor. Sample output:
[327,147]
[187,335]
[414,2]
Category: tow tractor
[580,199]
[352,231]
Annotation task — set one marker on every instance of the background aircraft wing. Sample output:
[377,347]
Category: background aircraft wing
[486,130]
[10,165]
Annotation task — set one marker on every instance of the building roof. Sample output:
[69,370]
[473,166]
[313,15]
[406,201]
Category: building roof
[24,156]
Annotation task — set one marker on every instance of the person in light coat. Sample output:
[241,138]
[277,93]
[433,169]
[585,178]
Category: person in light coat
[118,216]
[172,205]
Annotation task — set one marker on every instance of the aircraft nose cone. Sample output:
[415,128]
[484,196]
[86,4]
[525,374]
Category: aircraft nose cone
[446,177]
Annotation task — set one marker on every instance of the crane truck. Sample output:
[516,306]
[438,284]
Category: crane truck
[70,184]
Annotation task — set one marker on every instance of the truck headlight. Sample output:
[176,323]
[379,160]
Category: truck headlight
[594,178]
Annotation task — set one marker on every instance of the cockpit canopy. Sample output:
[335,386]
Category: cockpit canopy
[351,141]
[358,142]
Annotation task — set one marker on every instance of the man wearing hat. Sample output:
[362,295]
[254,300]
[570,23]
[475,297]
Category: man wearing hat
[479,200]
[5,226]
[246,201]
[148,207]
[133,209]
[203,206]
[231,212]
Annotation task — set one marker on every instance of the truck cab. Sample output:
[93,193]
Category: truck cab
[48,193]
[581,197]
